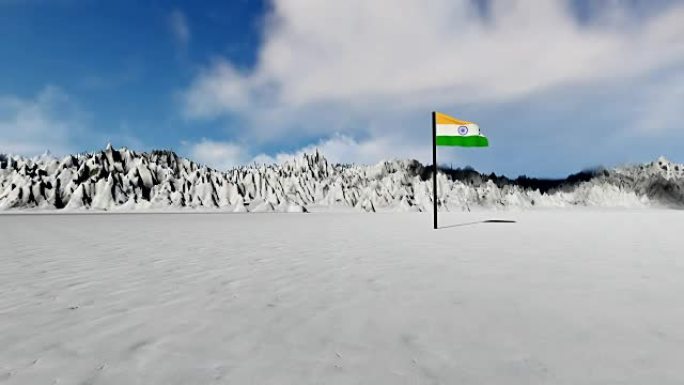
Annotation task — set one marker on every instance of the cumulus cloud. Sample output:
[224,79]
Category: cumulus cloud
[180,29]
[344,149]
[422,54]
[217,90]
[352,71]
[45,122]
[338,148]
[216,154]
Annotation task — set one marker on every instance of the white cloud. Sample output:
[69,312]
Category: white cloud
[217,154]
[179,27]
[419,54]
[370,70]
[218,89]
[337,149]
[344,149]
[46,122]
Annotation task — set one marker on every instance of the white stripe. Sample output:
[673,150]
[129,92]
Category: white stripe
[452,130]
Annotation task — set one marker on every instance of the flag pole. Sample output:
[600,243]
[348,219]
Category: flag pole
[434,167]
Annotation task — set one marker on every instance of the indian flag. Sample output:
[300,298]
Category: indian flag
[456,132]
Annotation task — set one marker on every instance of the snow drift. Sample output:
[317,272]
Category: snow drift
[125,180]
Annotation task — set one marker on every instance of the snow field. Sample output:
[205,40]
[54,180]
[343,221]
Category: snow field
[561,297]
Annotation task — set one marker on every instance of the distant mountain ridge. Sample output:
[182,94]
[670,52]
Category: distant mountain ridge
[122,179]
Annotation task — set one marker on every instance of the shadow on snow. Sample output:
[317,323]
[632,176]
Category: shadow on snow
[478,223]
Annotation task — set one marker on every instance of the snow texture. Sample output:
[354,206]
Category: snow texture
[126,180]
[570,297]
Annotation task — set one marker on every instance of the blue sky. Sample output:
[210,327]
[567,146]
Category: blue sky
[558,85]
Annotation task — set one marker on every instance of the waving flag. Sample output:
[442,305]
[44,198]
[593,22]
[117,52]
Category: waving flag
[455,132]
[449,131]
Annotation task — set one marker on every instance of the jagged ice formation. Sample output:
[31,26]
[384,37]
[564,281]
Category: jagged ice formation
[126,180]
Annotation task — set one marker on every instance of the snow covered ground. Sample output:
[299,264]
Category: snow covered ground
[560,297]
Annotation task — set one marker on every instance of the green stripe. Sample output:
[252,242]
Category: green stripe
[463,141]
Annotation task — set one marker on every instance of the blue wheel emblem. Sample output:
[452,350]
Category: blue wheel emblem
[463,130]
